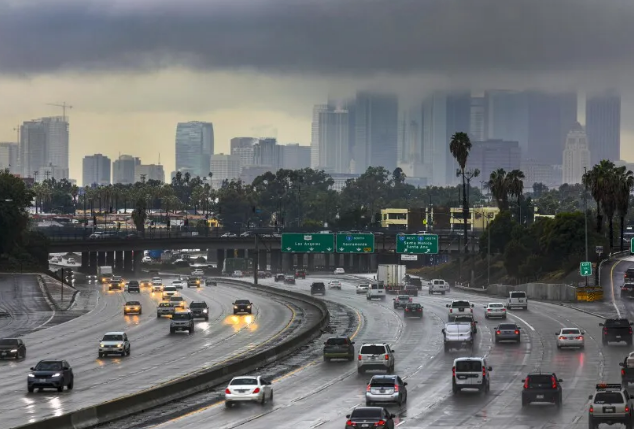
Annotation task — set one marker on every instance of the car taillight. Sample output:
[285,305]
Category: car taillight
[451,310]
[605,330]
[484,372]
[627,409]
[380,423]
[396,387]
[349,423]
[256,390]
[591,409]
[407,309]
[360,358]
[453,371]
[498,332]
[517,332]
[387,357]
[367,388]
[488,310]
[580,338]
[554,380]
[562,338]
[227,391]
[630,330]
[526,383]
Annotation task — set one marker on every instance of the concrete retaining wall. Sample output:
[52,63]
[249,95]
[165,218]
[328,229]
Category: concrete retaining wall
[541,291]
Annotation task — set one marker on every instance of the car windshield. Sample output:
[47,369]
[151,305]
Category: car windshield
[197,305]
[403,297]
[506,326]
[243,302]
[518,294]
[49,366]
[496,305]
[164,304]
[133,303]
[133,283]
[176,299]
[383,382]
[468,366]
[608,398]
[181,316]
[337,341]
[364,285]
[317,285]
[570,331]
[413,306]
[244,382]
[169,289]
[460,304]
[364,413]
[540,380]
[372,350]
[8,342]
[617,322]
[112,337]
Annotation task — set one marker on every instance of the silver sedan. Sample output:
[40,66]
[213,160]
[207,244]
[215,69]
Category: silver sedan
[570,337]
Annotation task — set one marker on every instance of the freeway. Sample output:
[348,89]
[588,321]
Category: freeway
[22,298]
[156,356]
[321,394]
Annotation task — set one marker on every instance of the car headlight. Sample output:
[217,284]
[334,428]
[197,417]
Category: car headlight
[102,345]
[119,345]
[235,306]
[31,376]
[14,351]
[205,310]
[57,374]
[248,306]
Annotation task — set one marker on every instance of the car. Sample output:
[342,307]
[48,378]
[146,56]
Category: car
[248,389]
[242,306]
[290,279]
[199,309]
[13,348]
[376,290]
[198,272]
[616,330]
[146,283]
[494,309]
[363,288]
[469,319]
[374,417]
[413,309]
[237,274]
[134,286]
[182,320]
[438,286]
[51,374]
[194,282]
[459,307]
[169,291]
[300,273]
[517,299]
[508,332]
[340,271]
[146,260]
[157,285]
[178,284]
[318,288]
[279,277]
[114,343]
[610,404]
[334,284]
[471,373]
[117,279]
[339,348]
[374,356]
[401,301]
[627,290]
[458,336]
[542,387]
[165,308]
[210,282]
[178,302]
[386,389]
[132,307]
[115,285]
[570,337]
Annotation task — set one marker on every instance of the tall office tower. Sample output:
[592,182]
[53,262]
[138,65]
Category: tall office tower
[266,153]
[9,157]
[194,147]
[149,172]
[314,135]
[376,131]
[550,118]
[576,155]
[603,126]
[123,169]
[333,141]
[507,116]
[224,167]
[96,170]
[56,141]
[242,147]
[477,121]
[489,155]
[295,156]
[32,148]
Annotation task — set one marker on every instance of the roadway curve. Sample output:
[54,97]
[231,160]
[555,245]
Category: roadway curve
[156,355]
[22,298]
[321,394]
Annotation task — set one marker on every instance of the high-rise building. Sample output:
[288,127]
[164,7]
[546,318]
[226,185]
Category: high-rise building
[242,147]
[266,153]
[490,155]
[333,137]
[314,135]
[149,172]
[96,170]
[123,169]
[9,157]
[57,141]
[52,172]
[32,148]
[376,132]
[224,167]
[295,156]
[507,116]
[538,172]
[576,156]
[603,126]
[477,122]
[194,147]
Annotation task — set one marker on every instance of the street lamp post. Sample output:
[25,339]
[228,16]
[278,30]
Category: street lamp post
[585,215]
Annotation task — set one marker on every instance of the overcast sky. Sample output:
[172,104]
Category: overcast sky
[134,68]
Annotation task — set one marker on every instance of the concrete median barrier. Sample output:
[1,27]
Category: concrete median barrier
[196,382]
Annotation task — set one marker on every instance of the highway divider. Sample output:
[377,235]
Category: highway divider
[198,381]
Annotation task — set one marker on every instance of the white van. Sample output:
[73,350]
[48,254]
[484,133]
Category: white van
[376,290]
[438,286]
[517,299]
[471,373]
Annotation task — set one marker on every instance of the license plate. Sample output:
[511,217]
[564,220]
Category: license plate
[365,425]
[462,377]
[608,410]
[539,396]
[618,336]
[240,391]
[372,358]
[41,380]
[4,353]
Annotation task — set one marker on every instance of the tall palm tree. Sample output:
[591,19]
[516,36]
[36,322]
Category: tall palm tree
[598,182]
[625,183]
[609,200]
[515,180]
[459,147]
[498,185]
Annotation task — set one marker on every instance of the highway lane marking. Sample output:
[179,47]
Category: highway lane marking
[522,320]
[618,312]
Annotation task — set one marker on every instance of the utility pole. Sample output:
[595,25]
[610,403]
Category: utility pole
[585,215]
[63,106]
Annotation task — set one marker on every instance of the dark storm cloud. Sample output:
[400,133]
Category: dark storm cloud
[351,37]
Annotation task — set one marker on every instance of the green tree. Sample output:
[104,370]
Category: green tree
[515,255]
[139,215]
[498,184]
[460,146]
[515,186]
[625,183]
[598,180]
[14,218]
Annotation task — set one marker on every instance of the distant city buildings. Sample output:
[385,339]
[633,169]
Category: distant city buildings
[9,157]
[124,168]
[537,172]
[603,126]
[295,156]
[44,143]
[490,155]
[194,147]
[224,167]
[96,170]
[576,156]
[143,173]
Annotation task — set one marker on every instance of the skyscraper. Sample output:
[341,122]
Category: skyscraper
[96,170]
[489,155]
[603,126]
[123,169]
[266,153]
[149,172]
[295,156]
[507,116]
[9,157]
[576,155]
[194,147]
[32,148]
[242,148]
[333,137]
[376,131]
[224,167]
[56,141]
[477,122]
[314,135]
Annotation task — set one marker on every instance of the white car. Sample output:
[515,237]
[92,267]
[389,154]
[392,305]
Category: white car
[146,260]
[375,290]
[363,288]
[494,309]
[178,284]
[169,291]
[570,337]
[157,284]
[334,284]
[340,271]
[471,373]
[248,389]
[237,273]
[517,299]
[198,272]
[438,286]
[114,343]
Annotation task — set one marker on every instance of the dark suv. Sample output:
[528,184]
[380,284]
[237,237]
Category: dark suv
[318,288]
[616,330]
[51,374]
[242,306]
[541,387]
[134,286]
[199,309]
[339,348]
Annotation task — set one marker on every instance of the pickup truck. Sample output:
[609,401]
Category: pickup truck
[616,330]
[401,301]
[627,290]
[467,318]
[458,308]
[627,369]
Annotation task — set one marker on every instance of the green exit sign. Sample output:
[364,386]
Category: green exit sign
[585,269]
[632,245]
[417,243]
[355,243]
[308,243]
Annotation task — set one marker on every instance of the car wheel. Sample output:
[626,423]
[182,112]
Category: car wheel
[60,388]
[228,404]
[100,355]
[558,401]
[207,319]
[140,312]
[454,388]
[70,385]
[191,330]
[172,331]
[30,389]
[129,351]
[368,403]
[263,400]
[158,315]
[271,397]
[326,359]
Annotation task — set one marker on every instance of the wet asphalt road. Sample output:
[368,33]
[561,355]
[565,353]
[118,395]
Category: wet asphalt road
[22,298]
[321,394]
[156,356]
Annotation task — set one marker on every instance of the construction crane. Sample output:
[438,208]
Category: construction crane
[63,106]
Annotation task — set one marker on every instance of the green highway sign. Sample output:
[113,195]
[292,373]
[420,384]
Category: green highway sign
[355,243]
[632,245]
[585,269]
[308,243]
[417,243]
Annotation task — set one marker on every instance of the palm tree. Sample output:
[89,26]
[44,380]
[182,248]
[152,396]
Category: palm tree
[139,215]
[598,181]
[625,183]
[459,147]
[498,185]
[515,180]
